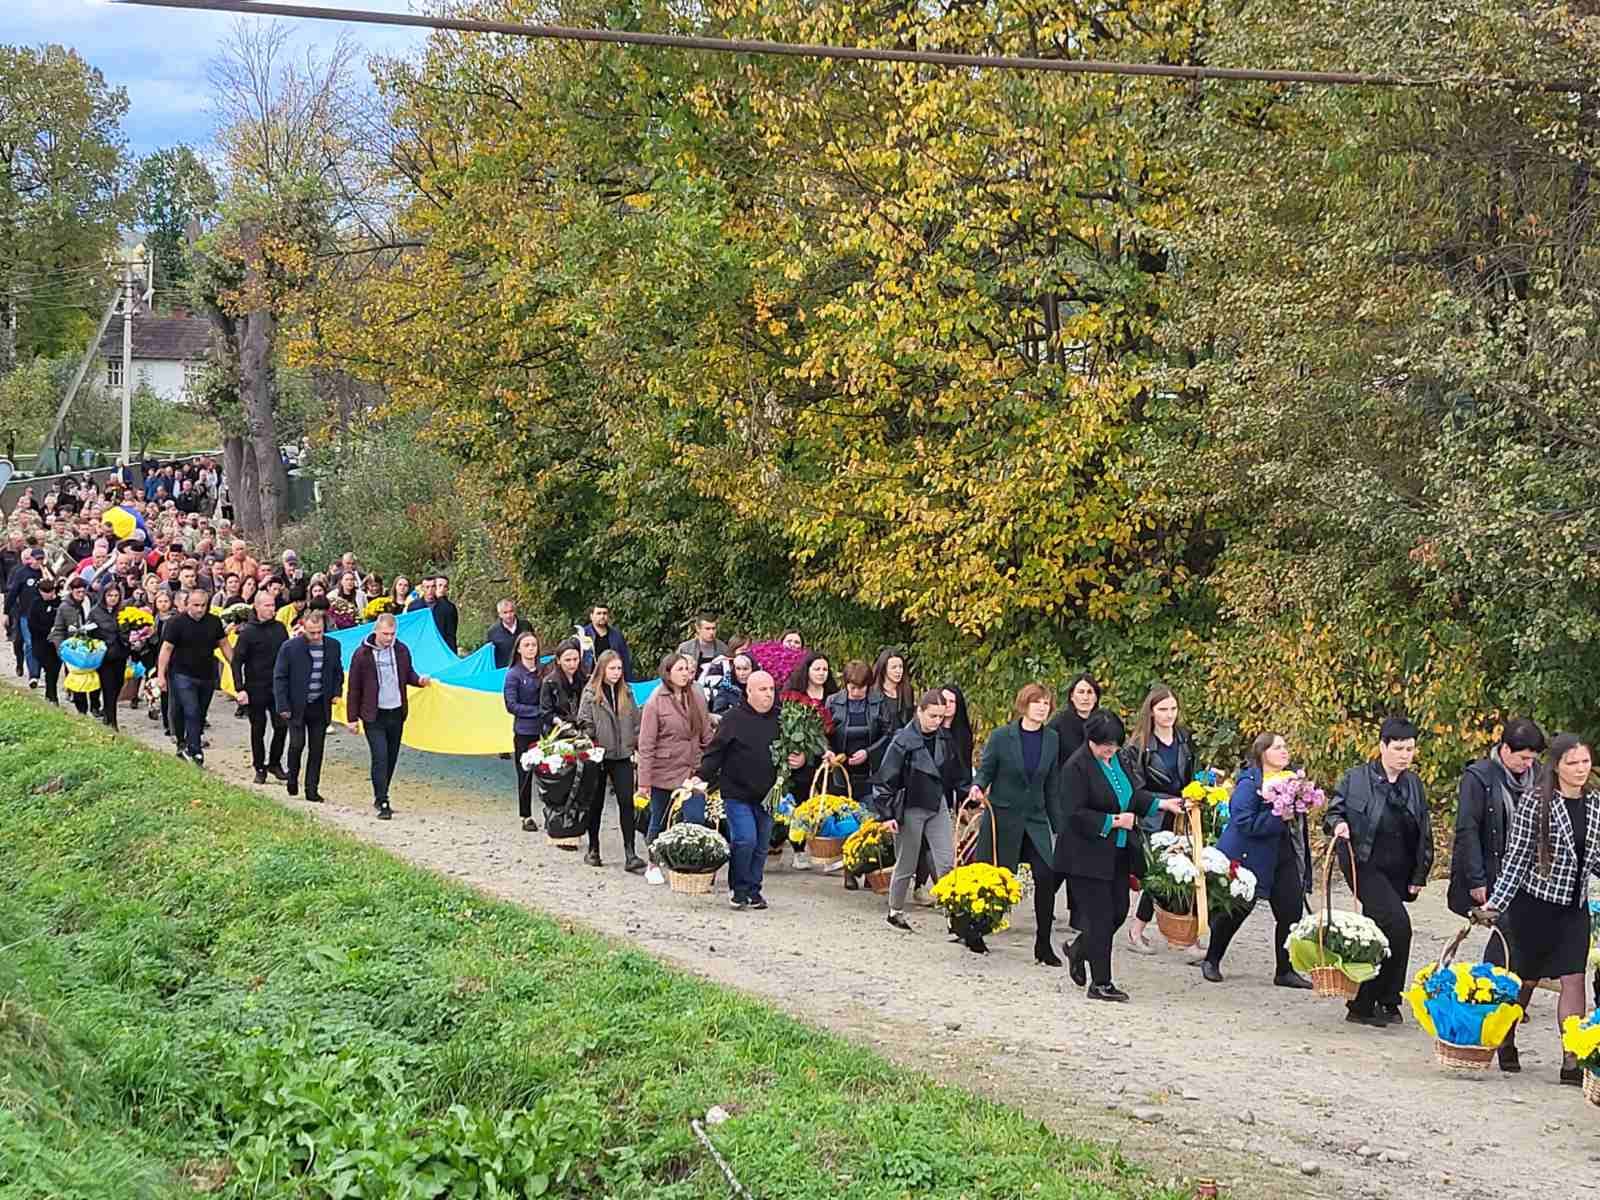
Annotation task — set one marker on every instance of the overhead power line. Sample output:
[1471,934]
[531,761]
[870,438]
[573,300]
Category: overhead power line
[935,58]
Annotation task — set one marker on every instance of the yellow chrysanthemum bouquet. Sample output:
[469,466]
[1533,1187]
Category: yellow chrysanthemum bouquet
[976,899]
[870,848]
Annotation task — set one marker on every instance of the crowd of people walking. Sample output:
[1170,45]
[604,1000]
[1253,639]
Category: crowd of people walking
[1070,792]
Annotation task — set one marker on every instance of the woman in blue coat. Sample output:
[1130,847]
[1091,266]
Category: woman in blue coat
[1264,844]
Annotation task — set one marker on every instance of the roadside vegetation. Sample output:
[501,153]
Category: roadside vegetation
[203,992]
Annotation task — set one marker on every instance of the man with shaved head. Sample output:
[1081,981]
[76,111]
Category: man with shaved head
[740,756]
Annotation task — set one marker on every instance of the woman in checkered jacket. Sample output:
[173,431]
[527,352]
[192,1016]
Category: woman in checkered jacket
[1542,898]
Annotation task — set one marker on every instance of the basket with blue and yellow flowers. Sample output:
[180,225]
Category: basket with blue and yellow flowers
[1468,1009]
[976,898]
[1581,1036]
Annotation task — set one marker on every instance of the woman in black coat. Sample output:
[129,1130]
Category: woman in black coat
[114,666]
[1083,697]
[1099,847]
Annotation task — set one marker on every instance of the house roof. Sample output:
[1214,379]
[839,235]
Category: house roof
[173,339]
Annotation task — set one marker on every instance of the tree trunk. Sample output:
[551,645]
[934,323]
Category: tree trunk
[256,394]
[238,465]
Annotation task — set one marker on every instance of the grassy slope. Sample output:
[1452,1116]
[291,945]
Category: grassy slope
[190,973]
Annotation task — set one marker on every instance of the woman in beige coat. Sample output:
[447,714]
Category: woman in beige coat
[674,730]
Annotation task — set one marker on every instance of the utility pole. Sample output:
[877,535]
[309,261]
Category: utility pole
[135,259]
[127,358]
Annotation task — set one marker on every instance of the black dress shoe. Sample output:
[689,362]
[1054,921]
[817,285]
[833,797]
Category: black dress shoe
[261,777]
[1372,1020]
[592,859]
[759,903]
[1075,967]
[315,798]
[1510,1060]
[385,813]
[1043,955]
[851,884]
[1107,991]
[1391,1014]
[529,825]
[898,920]
[1293,979]
[278,773]
[634,865]
[1209,972]
[292,786]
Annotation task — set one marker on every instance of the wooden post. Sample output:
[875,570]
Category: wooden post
[1197,840]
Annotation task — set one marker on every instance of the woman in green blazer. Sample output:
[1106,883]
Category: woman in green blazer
[1019,769]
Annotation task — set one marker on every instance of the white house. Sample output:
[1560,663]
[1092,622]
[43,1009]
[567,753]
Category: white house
[169,353]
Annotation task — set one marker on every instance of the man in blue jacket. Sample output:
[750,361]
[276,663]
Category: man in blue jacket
[305,680]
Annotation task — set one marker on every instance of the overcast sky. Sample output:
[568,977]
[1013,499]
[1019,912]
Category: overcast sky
[160,55]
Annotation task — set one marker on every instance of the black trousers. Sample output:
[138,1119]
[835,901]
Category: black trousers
[307,733]
[1383,884]
[1045,884]
[1288,903]
[50,665]
[383,744]
[1101,908]
[521,742]
[619,772]
[112,677]
[260,712]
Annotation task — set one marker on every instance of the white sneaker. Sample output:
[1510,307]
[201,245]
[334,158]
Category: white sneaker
[832,866]
[654,875]
[802,861]
[921,897]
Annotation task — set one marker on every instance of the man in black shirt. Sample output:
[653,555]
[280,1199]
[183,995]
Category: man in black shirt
[254,656]
[188,666]
[445,614]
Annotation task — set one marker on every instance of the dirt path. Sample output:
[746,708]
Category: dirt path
[1268,1090]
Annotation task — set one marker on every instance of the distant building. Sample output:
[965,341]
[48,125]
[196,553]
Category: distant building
[169,353]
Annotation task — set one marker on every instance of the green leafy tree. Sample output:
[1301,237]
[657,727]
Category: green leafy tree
[176,192]
[62,196]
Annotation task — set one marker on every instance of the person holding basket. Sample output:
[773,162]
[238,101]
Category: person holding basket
[1541,897]
[908,794]
[1384,839]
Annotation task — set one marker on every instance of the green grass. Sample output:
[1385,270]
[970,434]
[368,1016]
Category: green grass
[196,983]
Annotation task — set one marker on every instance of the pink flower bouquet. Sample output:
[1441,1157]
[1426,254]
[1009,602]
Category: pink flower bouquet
[777,660]
[1292,796]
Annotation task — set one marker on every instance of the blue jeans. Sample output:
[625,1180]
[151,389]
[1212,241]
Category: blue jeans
[749,831]
[191,700]
[28,656]
[660,809]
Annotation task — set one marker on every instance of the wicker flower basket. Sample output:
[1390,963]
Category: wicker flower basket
[1180,930]
[1333,983]
[1591,1088]
[1463,1058]
[825,850]
[691,884]
[878,881]
[1330,982]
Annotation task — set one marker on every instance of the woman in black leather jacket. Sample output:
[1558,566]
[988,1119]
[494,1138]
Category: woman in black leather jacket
[1159,758]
